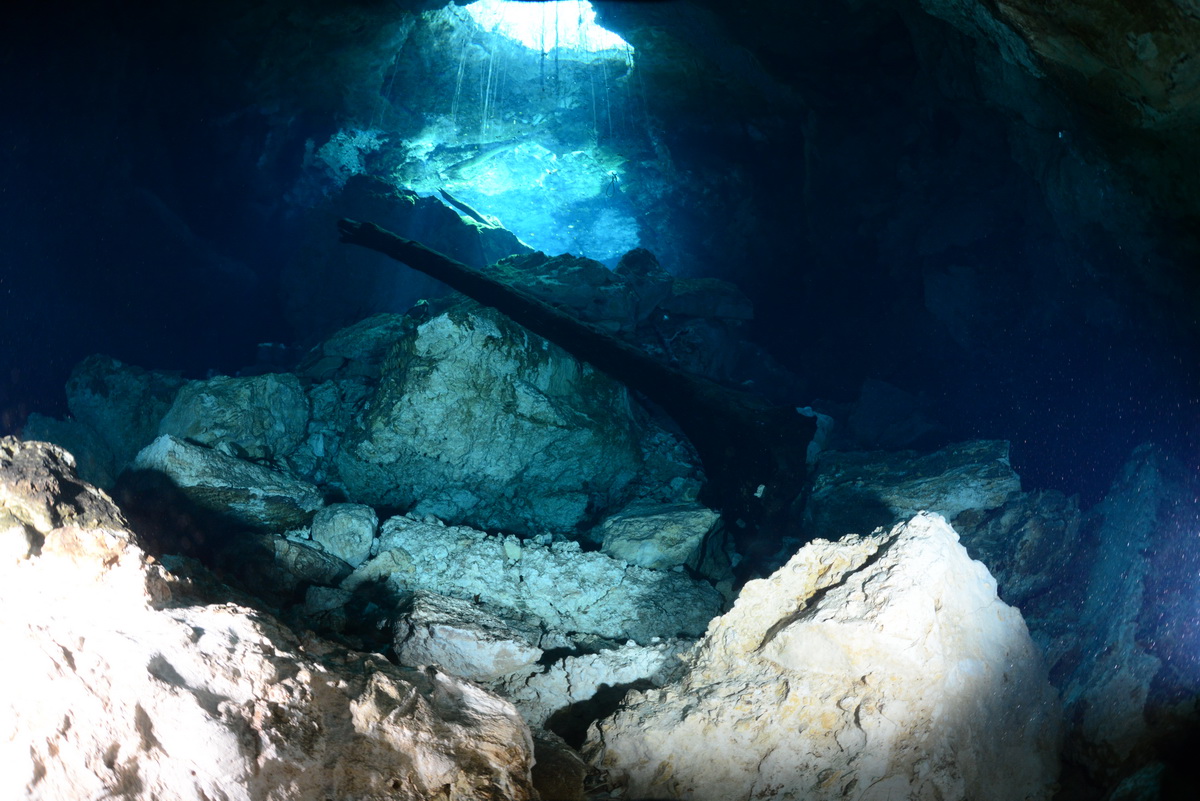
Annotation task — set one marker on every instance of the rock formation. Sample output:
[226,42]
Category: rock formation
[858,492]
[127,681]
[564,589]
[874,667]
[476,421]
[753,452]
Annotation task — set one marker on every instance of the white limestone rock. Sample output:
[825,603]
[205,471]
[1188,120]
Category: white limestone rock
[872,668]
[346,530]
[122,681]
[478,421]
[657,536]
[261,417]
[577,679]
[244,491]
[461,638]
[562,587]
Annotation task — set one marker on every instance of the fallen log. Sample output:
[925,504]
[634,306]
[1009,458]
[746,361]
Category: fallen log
[753,453]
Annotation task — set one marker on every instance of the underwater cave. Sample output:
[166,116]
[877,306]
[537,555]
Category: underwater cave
[518,399]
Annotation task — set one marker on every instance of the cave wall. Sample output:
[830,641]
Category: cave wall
[988,205]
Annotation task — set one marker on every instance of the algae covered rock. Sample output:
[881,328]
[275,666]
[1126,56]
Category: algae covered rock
[476,420]
[582,287]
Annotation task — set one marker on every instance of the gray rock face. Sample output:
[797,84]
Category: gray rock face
[1025,543]
[94,461]
[346,530]
[1126,639]
[39,492]
[657,536]
[475,420]
[247,492]
[873,667]
[560,586]
[582,287]
[127,684]
[859,492]
[121,404]
[577,679]
[460,638]
[262,417]
[358,350]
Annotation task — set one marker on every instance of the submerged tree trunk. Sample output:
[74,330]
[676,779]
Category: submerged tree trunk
[753,453]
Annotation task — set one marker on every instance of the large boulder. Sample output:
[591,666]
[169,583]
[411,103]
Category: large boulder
[128,682]
[478,421]
[559,586]
[657,536]
[345,530]
[262,417]
[874,667]
[1026,544]
[245,492]
[460,638]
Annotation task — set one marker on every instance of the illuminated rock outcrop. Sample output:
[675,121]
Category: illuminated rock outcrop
[874,667]
[126,681]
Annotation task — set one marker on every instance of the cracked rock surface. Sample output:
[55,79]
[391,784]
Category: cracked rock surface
[871,666]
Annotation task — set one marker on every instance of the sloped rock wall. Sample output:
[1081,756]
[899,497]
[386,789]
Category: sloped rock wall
[246,492]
